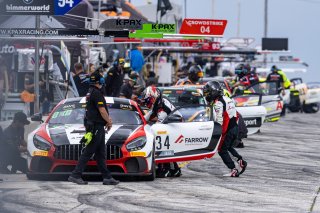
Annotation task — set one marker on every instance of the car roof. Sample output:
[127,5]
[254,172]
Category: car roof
[192,88]
[109,100]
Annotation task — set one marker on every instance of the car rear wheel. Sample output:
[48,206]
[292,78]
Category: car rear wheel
[311,108]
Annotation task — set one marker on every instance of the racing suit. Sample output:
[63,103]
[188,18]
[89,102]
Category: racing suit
[160,110]
[228,118]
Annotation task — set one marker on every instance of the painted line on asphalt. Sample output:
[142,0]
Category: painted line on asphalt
[314,200]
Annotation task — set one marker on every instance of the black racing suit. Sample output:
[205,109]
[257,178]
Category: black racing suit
[114,81]
[95,124]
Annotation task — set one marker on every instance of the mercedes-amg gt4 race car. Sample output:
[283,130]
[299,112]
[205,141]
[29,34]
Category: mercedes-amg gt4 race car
[133,147]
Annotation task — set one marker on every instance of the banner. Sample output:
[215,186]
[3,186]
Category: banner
[203,27]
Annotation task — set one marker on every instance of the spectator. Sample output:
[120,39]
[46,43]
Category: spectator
[81,80]
[127,88]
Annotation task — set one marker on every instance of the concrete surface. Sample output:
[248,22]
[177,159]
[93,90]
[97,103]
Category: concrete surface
[282,176]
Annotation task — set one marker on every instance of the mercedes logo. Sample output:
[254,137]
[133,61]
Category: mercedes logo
[28,1]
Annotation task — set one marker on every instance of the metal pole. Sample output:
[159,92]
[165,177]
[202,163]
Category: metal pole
[213,6]
[265,28]
[36,70]
[185,8]
[265,18]
[99,11]
[238,21]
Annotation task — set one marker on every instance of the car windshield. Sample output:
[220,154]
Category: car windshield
[73,113]
[247,100]
[183,97]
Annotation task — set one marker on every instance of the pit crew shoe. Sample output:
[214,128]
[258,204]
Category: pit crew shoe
[163,173]
[110,181]
[243,165]
[175,172]
[234,173]
[78,181]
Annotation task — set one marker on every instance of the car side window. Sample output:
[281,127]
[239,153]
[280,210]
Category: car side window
[200,113]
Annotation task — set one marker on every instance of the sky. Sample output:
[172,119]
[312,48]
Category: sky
[296,19]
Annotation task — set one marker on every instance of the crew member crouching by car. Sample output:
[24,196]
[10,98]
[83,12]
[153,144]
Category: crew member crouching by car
[160,108]
[228,118]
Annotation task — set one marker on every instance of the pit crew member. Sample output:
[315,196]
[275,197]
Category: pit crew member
[227,117]
[96,120]
[160,108]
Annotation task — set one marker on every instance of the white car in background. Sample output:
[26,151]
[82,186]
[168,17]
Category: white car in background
[248,105]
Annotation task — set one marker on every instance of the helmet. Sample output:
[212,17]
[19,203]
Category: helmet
[212,90]
[134,76]
[195,72]
[242,69]
[149,96]
[274,68]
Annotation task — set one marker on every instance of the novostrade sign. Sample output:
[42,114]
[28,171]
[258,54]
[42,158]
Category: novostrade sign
[154,31]
[37,7]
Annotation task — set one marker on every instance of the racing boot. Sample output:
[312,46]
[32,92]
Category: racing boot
[234,173]
[243,165]
[175,172]
[110,181]
[162,173]
[78,181]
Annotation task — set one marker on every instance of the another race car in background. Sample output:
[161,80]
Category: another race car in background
[133,147]
[271,99]
[309,95]
[249,106]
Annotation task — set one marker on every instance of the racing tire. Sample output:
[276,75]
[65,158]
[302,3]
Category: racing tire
[311,108]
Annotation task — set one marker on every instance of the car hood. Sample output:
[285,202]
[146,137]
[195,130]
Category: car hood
[72,133]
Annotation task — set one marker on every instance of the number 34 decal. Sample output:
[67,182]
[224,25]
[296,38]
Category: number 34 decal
[160,143]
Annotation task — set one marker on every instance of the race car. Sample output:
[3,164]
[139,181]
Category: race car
[133,147]
[249,106]
[271,99]
[309,95]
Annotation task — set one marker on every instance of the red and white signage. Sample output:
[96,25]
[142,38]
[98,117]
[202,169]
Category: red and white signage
[211,46]
[203,26]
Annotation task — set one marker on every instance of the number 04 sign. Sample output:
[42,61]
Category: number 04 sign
[203,26]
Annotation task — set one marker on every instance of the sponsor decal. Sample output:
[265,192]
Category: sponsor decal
[40,153]
[279,105]
[203,26]
[120,24]
[253,122]
[192,141]
[162,132]
[138,154]
[156,27]
[125,107]
[7,49]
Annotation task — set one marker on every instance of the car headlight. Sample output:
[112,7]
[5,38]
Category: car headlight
[136,144]
[41,143]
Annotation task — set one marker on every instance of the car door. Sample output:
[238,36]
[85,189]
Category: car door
[187,134]
[271,99]
[253,114]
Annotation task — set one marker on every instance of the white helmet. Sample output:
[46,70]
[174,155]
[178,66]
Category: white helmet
[149,96]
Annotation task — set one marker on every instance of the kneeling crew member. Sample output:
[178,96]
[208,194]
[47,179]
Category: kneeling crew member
[227,117]
[96,120]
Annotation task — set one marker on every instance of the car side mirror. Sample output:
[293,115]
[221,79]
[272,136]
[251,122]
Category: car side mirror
[174,118]
[37,117]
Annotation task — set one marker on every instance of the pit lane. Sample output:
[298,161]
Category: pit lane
[282,176]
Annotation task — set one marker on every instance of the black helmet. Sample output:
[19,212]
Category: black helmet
[242,69]
[274,68]
[194,73]
[212,90]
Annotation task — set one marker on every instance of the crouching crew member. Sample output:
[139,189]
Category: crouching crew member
[96,120]
[227,117]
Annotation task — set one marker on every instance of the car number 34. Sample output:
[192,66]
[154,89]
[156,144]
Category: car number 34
[162,142]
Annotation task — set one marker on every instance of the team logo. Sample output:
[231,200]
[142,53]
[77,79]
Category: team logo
[180,139]
[27,1]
